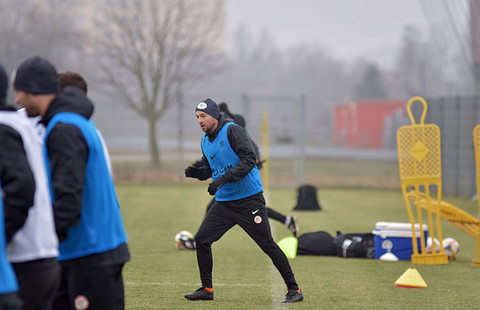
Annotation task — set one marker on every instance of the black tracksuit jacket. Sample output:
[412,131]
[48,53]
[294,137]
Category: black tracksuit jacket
[68,154]
[241,145]
[16,178]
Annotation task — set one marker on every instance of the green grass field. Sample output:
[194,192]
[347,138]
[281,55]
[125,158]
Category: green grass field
[158,274]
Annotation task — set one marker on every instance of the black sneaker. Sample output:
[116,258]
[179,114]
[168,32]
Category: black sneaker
[293,296]
[200,294]
[292,224]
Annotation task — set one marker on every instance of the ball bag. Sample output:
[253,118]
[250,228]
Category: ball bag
[307,198]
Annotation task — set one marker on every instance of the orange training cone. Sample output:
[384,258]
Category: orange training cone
[411,279]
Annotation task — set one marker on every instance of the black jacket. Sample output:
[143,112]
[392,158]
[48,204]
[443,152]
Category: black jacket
[68,153]
[16,178]
[241,145]
[240,120]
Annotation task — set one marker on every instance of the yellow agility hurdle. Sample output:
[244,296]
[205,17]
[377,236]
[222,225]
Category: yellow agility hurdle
[419,160]
[456,216]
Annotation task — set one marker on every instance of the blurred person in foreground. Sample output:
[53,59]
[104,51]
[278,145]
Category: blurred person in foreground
[93,248]
[69,78]
[9,299]
[231,160]
[32,242]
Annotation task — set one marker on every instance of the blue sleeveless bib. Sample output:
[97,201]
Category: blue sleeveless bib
[100,227]
[221,157]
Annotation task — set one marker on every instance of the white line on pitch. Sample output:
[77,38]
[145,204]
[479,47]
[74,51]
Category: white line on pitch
[187,284]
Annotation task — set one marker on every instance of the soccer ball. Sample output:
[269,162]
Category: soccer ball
[184,241]
[429,247]
[451,248]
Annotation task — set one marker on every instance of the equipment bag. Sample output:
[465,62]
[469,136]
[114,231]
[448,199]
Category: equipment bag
[316,243]
[354,245]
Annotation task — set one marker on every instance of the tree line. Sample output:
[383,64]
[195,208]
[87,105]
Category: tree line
[149,54]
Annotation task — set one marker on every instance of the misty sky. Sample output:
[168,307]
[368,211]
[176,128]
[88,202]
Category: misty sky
[347,28]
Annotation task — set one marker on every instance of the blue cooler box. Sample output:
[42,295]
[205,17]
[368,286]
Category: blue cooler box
[397,237]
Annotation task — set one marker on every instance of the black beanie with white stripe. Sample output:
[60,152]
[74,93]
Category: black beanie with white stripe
[210,107]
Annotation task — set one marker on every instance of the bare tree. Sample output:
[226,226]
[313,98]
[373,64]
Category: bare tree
[35,27]
[417,70]
[149,50]
[371,84]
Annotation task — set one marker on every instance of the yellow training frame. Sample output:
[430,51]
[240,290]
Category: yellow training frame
[419,160]
[476,144]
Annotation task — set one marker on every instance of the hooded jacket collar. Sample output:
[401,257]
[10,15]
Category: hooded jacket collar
[71,99]
[222,120]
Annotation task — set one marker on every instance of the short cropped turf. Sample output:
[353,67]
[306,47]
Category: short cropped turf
[159,274]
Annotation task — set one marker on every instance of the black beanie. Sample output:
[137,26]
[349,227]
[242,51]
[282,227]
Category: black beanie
[210,107]
[36,76]
[3,83]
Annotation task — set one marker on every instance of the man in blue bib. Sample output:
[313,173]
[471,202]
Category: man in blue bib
[93,242]
[236,184]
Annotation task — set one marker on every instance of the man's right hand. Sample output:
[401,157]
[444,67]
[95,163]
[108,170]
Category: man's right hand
[201,173]
[192,172]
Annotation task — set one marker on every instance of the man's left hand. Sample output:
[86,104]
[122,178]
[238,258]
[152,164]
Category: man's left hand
[216,185]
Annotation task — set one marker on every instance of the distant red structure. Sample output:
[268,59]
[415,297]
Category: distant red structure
[361,123]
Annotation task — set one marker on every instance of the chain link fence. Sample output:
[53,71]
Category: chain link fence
[301,134]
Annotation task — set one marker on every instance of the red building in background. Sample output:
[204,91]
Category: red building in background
[361,123]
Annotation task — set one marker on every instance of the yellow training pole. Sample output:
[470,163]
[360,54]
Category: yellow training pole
[265,175]
[476,143]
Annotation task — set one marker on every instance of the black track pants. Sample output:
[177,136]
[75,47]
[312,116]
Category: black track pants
[93,288]
[249,213]
[272,214]
[38,281]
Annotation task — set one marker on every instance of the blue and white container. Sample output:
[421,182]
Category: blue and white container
[396,238]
